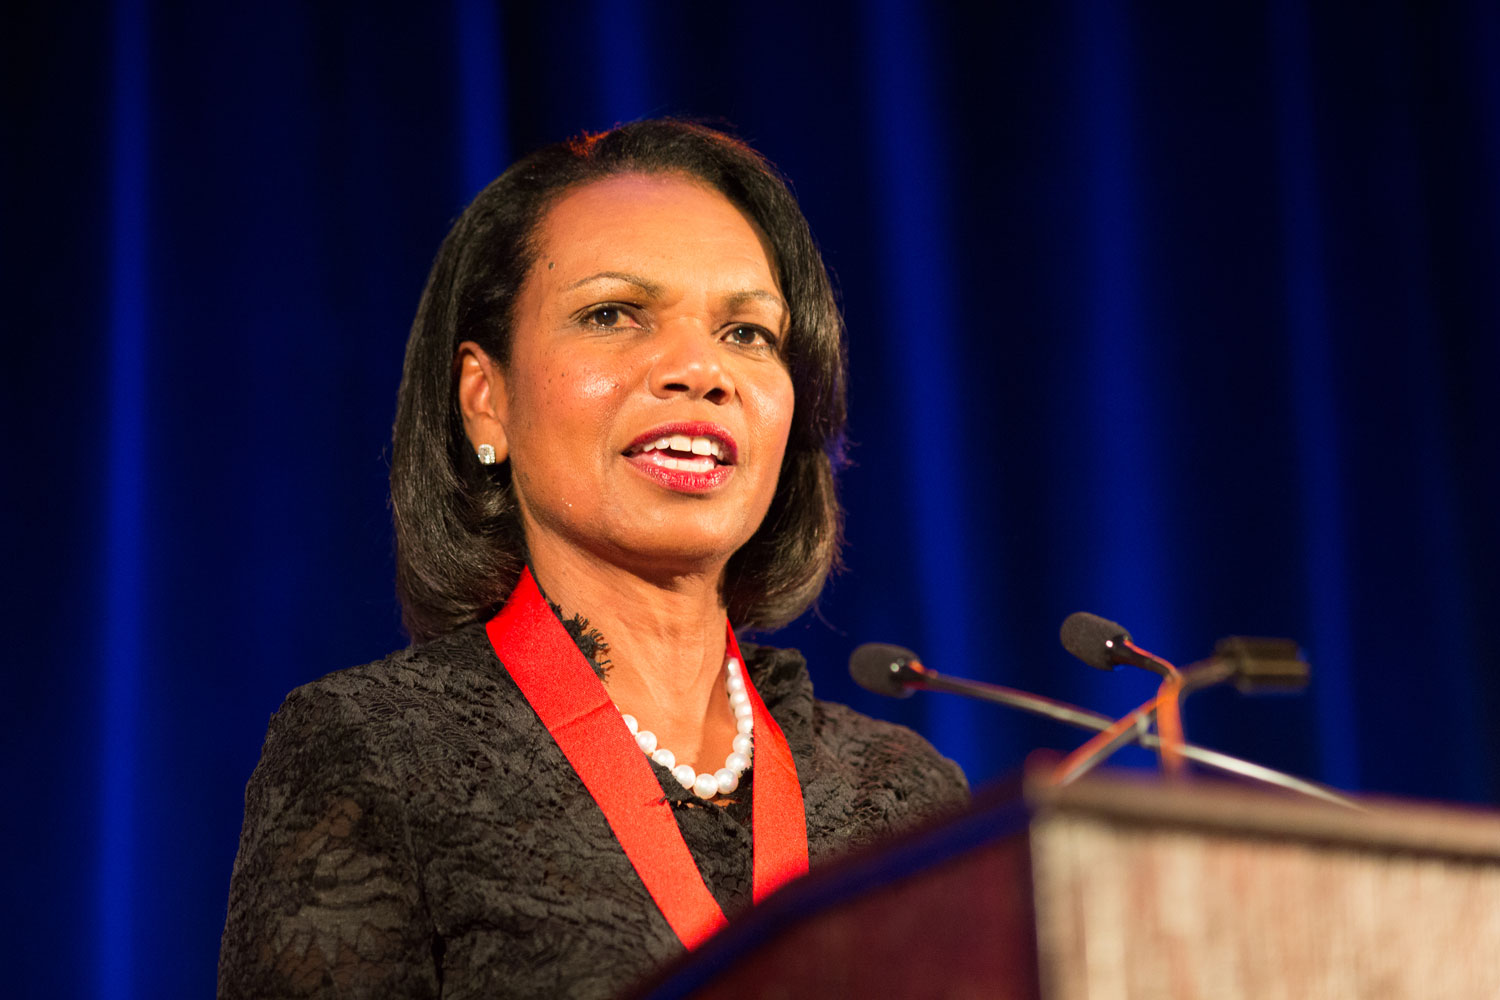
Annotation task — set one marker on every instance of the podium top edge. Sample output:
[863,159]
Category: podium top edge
[1221,807]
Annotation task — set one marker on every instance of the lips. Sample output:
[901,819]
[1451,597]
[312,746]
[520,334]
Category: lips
[690,457]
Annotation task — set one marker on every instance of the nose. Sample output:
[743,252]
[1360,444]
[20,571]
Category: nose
[690,363]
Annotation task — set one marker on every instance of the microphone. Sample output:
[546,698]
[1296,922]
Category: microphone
[1252,664]
[885,669]
[1104,644]
[895,672]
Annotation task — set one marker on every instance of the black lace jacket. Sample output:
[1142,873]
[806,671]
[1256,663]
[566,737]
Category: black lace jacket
[413,831]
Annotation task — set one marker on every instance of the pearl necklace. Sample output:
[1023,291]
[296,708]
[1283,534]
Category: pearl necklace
[727,778]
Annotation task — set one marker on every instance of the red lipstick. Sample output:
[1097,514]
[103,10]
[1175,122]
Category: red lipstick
[685,456]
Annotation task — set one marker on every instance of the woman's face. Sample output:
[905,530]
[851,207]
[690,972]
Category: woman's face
[646,404]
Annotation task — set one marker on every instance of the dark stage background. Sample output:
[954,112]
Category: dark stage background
[1187,317]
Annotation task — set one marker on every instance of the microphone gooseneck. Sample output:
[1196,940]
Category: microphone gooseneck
[1102,643]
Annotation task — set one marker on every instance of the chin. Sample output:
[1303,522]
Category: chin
[681,553]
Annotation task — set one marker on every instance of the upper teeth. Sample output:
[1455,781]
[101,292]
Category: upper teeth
[681,442]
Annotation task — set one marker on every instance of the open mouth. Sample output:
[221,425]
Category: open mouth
[684,452]
[689,457]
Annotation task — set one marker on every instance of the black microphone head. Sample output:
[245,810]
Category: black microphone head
[1091,639]
[882,668]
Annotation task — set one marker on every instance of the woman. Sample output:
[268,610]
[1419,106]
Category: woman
[623,391]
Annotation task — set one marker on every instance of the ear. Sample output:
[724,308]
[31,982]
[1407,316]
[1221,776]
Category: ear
[482,399]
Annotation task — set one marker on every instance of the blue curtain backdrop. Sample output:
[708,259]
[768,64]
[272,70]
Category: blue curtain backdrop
[1188,315]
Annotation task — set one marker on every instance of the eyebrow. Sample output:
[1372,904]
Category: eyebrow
[737,299]
[651,288]
[644,284]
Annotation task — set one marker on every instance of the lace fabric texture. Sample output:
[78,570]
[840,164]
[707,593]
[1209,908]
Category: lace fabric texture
[412,830]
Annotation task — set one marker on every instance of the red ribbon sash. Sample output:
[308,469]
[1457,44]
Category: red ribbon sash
[562,688]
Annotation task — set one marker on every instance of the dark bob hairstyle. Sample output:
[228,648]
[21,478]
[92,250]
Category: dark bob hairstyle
[459,544]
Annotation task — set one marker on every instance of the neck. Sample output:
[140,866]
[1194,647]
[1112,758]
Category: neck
[666,646]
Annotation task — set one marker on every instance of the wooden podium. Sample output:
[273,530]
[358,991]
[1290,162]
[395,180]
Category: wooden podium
[1124,888]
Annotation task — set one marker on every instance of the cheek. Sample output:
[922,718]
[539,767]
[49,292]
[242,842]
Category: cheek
[571,395]
[590,386]
[782,403]
[775,402]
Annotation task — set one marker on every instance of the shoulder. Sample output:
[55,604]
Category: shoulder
[896,771]
[327,883]
[882,747]
[862,777]
[404,691]
[349,727]
[400,726]
[458,659]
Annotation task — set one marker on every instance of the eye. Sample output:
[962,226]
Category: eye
[748,335]
[611,316]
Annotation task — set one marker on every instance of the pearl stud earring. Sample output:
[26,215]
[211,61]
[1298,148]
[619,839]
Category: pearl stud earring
[486,453]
